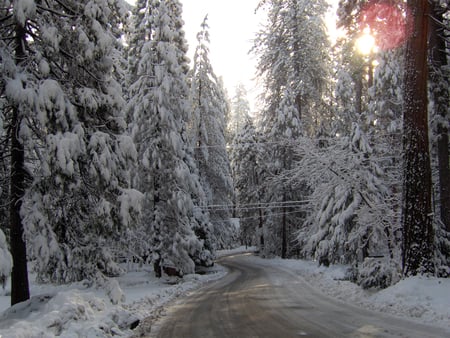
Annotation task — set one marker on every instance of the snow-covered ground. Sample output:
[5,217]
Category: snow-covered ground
[80,311]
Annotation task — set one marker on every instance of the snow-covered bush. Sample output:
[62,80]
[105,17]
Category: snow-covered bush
[378,273]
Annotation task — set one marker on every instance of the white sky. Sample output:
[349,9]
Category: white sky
[232,27]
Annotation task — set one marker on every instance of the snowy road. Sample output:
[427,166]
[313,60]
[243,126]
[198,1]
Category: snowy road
[255,300]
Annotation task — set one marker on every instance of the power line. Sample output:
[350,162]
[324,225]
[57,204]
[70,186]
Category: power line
[255,206]
[286,143]
[258,217]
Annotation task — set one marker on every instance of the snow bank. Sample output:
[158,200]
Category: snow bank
[422,299]
[76,311]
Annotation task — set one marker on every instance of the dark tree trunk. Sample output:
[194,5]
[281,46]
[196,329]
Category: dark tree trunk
[439,91]
[418,237]
[358,92]
[284,230]
[157,267]
[19,277]
[156,200]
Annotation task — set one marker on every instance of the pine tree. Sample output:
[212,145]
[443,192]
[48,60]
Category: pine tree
[207,130]
[293,62]
[166,171]
[15,26]
[352,86]
[240,112]
[349,216]
[292,53]
[73,136]
[245,169]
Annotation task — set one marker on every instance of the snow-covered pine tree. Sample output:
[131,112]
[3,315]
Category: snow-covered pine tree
[245,169]
[345,91]
[293,53]
[207,130]
[166,171]
[385,123]
[355,70]
[16,103]
[79,201]
[293,63]
[240,112]
[350,217]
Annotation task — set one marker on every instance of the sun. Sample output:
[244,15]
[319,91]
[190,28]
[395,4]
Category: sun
[366,44]
[388,23]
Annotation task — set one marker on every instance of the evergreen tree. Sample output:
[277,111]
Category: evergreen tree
[354,69]
[209,108]
[15,26]
[245,169]
[240,112]
[166,172]
[292,53]
[349,218]
[293,64]
[73,136]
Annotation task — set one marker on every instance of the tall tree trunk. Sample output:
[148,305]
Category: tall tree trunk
[358,92]
[439,91]
[157,241]
[418,237]
[284,229]
[19,277]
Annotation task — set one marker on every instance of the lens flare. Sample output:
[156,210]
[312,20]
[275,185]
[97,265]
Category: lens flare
[387,22]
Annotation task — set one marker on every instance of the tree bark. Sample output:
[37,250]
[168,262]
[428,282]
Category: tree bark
[418,236]
[358,92]
[440,94]
[284,230]
[19,276]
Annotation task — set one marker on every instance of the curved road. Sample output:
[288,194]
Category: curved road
[258,301]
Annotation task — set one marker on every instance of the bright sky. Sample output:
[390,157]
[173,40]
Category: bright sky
[232,27]
[233,24]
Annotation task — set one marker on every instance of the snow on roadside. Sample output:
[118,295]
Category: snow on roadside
[79,311]
[422,299]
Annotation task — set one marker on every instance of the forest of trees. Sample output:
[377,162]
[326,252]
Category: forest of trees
[114,145]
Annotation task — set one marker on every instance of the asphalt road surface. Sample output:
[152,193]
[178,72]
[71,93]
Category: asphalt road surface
[259,301]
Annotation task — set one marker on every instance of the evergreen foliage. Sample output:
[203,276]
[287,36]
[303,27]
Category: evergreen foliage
[293,62]
[245,168]
[108,137]
[165,171]
[207,130]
